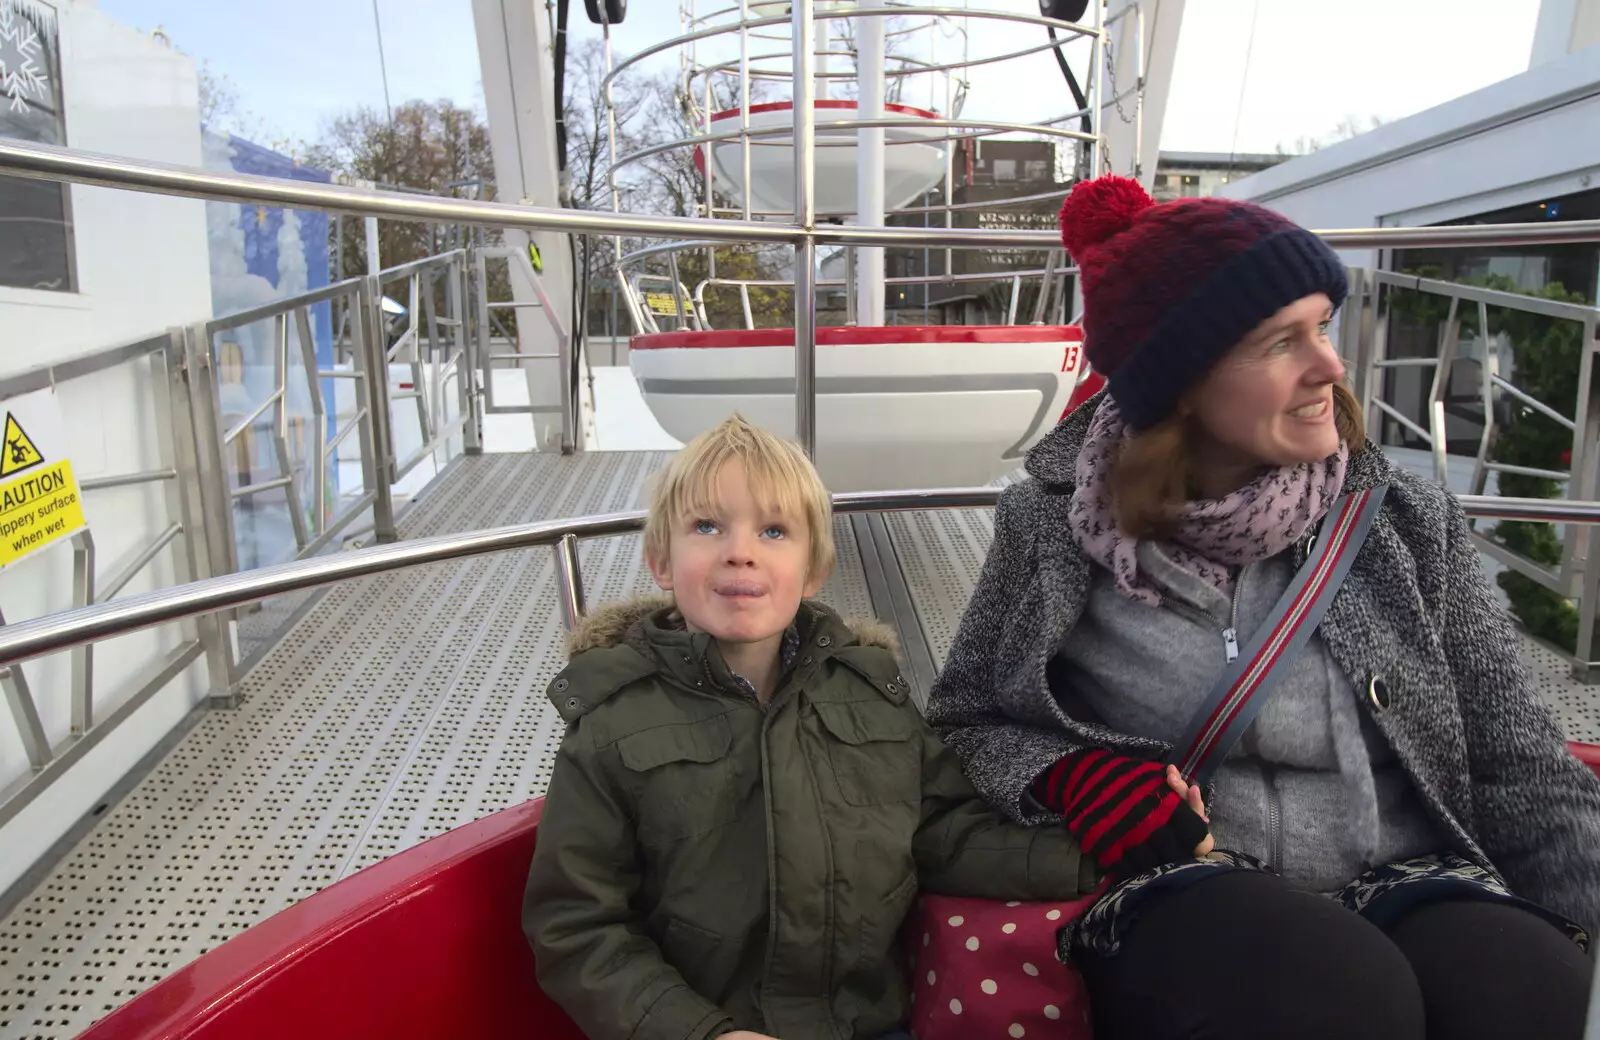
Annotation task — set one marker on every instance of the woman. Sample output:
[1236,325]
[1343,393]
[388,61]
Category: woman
[1404,846]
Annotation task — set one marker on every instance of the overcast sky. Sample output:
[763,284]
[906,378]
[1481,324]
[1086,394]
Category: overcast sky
[1249,75]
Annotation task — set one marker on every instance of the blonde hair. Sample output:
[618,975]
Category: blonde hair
[1154,474]
[780,476]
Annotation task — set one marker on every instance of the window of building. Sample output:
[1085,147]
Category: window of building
[36,249]
[1005,169]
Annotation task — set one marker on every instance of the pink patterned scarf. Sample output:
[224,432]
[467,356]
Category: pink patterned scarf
[1256,522]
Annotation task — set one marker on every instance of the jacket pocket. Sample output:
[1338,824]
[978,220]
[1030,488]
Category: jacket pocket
[876,754]
[682,778]
[694,952]
[881,924]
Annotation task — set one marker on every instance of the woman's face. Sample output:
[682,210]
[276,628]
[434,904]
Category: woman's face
[1269,401]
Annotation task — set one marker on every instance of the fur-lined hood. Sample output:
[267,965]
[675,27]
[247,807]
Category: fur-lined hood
[610,625]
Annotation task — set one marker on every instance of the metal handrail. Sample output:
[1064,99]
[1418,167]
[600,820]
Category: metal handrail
[48,162]
[988,127]
[728,28]
[744,285]
[27,639]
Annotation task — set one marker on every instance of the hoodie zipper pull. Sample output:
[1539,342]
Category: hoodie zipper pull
[1230,635]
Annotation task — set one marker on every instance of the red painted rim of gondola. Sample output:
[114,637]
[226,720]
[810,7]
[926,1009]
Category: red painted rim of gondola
[778,106]
[193,998]
[860,336]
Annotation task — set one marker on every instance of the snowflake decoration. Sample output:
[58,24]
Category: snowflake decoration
[20,76]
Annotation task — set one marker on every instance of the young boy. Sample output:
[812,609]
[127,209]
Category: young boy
[746,803]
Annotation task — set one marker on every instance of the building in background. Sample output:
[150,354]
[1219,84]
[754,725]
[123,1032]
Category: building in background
[1193,175]
[984,171]
[992,171]
[1519,151]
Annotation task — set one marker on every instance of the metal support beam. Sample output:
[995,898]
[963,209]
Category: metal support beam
[569,578]
[869,273]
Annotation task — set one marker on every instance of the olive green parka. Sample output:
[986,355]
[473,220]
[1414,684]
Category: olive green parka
[707,863]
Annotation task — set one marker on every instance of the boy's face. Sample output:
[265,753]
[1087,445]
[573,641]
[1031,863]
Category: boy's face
[739,575]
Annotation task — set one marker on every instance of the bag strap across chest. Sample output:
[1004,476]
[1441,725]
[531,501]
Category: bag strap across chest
[1242,690]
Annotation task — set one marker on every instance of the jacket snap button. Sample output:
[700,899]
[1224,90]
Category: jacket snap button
[1378,693]
[573,704]
[561,684]
[892,688]
[825,641]
[806,659]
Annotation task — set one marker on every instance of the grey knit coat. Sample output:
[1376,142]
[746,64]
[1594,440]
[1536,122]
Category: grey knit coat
[1415,627]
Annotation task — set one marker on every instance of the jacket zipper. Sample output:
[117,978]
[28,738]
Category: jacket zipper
[1274,817]
[1230,633]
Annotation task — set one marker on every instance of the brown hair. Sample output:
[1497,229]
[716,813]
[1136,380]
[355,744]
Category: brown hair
[1154,474]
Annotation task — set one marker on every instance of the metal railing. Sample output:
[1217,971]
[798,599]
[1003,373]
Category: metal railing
[78,628]
[197,443]
[689,308]
[1014,280]
[434,348]
[207,457]
[486,360]
[71,628]
[48,162]
[182,538]
[28,159]
[1368,318]
[292,320]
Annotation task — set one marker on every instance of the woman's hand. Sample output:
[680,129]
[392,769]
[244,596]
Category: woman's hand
[1191,794]
[1124,816]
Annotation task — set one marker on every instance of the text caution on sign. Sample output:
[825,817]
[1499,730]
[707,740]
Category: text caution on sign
[40,503]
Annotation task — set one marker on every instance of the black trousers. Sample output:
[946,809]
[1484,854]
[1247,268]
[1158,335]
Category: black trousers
[1242,955]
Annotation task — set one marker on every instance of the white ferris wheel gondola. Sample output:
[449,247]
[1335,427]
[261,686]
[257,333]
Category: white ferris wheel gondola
[895,406]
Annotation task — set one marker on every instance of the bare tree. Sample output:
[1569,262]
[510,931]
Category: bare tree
[589,133]
[222,111]
[435,147]
[1348,127]
[896,58]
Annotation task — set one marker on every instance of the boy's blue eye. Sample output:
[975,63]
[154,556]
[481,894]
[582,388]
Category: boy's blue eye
[1279,347]
[705,527]
[773,531]
[1323,327]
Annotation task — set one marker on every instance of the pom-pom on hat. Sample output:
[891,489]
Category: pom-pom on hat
[1170,288]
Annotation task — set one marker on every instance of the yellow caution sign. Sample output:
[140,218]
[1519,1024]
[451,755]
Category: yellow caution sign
[662,303]
[535,258]
[20,454]
[40,501]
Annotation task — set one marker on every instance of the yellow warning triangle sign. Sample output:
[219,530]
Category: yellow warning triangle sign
[19,453]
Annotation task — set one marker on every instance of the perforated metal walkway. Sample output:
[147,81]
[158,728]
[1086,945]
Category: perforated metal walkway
[404,705]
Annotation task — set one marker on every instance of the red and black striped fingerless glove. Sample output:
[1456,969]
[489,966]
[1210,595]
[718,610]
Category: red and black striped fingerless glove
[1121,810]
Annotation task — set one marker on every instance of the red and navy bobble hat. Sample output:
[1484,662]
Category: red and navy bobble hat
[1169,289]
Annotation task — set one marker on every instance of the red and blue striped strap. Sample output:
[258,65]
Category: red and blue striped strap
[1241,692]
